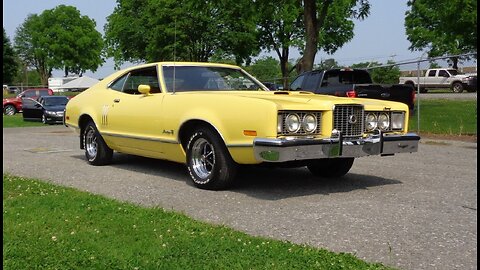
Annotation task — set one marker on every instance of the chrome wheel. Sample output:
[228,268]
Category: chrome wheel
[44,119]
[203,158]
[9,110]
[91,145]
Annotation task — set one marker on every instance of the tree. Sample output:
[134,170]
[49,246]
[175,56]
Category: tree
[388,74]
[265,69]
[163,30]
[59,38]
[442,27]
[10,64]
[327,64]
[328,25]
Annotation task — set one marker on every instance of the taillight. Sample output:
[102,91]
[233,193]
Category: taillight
[351,93]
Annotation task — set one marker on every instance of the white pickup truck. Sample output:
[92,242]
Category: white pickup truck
[443,78]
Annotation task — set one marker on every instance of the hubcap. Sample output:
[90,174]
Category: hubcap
[44,120]
[91,143]
[203,158]
[9,110]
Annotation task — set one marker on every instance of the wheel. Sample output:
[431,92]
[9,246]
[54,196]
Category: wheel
[457,87]
[331,167]
[208,161]
[44,119]
[97,151]
[423,90]
[9,110]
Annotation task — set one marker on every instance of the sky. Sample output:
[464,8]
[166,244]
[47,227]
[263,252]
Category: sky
[380,37]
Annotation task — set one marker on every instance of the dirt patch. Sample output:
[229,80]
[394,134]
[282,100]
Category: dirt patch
[462,138]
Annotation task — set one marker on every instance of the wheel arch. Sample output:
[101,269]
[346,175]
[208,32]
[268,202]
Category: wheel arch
[187,128]
[82,122]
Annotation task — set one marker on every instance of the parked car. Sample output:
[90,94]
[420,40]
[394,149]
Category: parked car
[442,78]
[356,83]
[48,109]
[201,114]
[14,105]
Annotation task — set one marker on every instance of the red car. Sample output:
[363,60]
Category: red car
[13,105]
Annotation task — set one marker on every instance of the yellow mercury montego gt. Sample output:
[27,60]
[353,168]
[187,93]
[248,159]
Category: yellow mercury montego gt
[214,117]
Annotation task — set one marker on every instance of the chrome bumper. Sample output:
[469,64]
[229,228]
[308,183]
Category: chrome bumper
[281,150]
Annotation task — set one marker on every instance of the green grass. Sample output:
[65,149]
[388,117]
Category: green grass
[16,120]
[51,227]
[447,117]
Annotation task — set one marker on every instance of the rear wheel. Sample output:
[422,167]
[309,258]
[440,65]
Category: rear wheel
[97,151]
[209,163]
[9,110]
[457,87]
[331,167]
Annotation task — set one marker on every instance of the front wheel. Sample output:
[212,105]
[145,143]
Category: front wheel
[209,163]
[44,119]
[330,167]
[97,151]
[457,87]
[9,110]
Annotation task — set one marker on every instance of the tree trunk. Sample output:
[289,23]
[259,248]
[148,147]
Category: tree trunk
[284,67]
[311,34]
[454,62]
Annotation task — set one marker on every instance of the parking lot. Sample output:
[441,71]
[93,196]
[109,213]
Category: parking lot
[411,211]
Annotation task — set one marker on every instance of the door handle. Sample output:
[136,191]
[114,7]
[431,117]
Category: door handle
[117,100]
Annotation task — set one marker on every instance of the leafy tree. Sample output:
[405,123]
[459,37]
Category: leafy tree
[388,74]
[442,27]
[328,25]
[10,64]
[189,30]
[327,64]
[265,69]
[59,38]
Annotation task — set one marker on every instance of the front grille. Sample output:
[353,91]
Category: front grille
[284,131]
[349,119]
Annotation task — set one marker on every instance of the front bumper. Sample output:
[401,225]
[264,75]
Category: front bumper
[282,150]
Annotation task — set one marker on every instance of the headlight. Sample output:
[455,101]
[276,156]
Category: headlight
[371,121]
[398,119]
[309,123]
[50,113]
[383,121]
[292,121]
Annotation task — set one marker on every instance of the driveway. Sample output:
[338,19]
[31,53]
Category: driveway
[411,211]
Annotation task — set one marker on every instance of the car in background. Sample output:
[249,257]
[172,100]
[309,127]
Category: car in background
[215,117]
[14,105]
[48,109]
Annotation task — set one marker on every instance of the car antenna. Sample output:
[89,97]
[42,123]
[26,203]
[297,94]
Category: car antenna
[174,51]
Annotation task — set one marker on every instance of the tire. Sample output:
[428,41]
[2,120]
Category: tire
[97,151]
[9,110]
[44,119]
[457,87]
[208,161]
[331,167]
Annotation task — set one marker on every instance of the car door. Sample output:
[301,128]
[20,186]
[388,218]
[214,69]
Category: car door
[133,120]
[32,109]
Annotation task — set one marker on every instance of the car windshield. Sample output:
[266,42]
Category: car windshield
[55,101]
[201,78]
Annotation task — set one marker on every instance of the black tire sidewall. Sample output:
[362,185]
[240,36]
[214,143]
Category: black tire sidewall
[104,153]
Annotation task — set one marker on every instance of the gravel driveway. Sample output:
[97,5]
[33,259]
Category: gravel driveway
[411,211]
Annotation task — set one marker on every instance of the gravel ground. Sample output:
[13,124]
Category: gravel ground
[411,211]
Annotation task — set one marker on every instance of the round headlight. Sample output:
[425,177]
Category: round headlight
[383,121]
[309,123]
[371,121]
[292,122]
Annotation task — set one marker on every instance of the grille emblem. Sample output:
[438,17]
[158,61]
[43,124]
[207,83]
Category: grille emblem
[352,119]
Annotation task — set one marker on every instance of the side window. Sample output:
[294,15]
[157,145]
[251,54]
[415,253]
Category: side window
[443,73]
[431,73]
[43,93]
[297,83]
[331,78]
[129,83]
[31,94]
[312,82]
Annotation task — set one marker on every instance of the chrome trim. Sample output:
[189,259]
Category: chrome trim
[138,138]
[302,149]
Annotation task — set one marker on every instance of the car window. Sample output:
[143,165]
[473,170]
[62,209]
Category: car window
[43,93]
[297,83]
[129,82]
[432,73]
[201,78]
[55,101]
[443,73]
[31,93]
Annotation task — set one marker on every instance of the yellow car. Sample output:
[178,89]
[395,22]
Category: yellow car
[213,117]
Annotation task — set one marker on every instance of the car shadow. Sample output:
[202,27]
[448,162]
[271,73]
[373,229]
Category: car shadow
[256,181]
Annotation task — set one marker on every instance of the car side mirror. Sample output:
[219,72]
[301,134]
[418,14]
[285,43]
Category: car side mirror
[144,89]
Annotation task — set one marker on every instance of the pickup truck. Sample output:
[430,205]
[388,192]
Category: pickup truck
[443,78]
[13,105]
[352,83]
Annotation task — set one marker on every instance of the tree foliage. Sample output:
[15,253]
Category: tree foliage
[185,30]
[10,64]
[442,27]
[388,74]
[59,38]
[266,69]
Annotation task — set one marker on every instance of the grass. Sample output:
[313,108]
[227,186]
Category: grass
[446,117]
[16,120]
[51,227]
